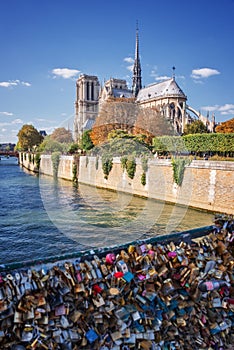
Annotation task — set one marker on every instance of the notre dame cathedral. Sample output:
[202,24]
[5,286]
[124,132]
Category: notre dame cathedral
[167,97]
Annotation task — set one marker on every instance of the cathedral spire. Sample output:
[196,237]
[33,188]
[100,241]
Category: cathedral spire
[136,79]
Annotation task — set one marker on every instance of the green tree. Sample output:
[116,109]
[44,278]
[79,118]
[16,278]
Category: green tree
[49,145]
[196,127]
[62,135]
[28,137]
[86,142]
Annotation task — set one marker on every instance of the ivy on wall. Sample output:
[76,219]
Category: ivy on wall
[178,166]
[131,167]
[107,164]
[74,173]
[143,178]
[55,158]
[38,160]
[123,162]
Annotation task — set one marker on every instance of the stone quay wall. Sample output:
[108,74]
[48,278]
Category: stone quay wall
[46,167]
[207,185]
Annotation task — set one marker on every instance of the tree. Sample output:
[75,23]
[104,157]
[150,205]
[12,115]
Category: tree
[62,135]
[86,142]
[225,127]
[196,127]
[28,137]
[48,145]
[115,114]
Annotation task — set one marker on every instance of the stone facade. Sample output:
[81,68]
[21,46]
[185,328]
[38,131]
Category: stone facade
[86,104]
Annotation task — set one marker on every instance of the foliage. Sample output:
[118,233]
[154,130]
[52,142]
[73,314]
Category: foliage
[107,164]
[124,161]
[178,166]
[97,163]
[55,158]
[118,114]
[215,143]
[225,127]
[28,137]
[144,163]
[131,167]
[49,145]
[143,178]
[73,148]
[38,160]
[171,144]
[119,147]
[62,135]
[74,173]
[86,141]
[115,114]
[197,127]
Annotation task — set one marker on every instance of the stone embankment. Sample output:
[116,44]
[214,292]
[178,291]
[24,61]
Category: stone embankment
[206,185]
[152,296]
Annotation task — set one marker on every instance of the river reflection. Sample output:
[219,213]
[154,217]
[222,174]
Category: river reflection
[98,217]
[40,217]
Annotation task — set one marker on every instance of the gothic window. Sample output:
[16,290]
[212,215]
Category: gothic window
[87,90]
[92,91]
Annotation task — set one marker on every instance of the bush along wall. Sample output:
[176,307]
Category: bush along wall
[38,160]
[107,163]
[74,173]
[131,167]
[221,144]
[178,166]
[55,158]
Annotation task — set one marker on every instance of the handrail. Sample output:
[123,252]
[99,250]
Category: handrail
[194,233]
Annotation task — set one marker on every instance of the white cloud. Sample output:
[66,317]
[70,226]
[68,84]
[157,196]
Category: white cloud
[227,109]
[17,121]
[162,77]
[201,73]
[3,130]
[25,83]
[8,83]
[130,68]
[65,73]
[6,114]
[12,83]
[129,60]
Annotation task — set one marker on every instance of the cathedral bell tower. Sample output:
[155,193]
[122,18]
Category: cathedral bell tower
[136,79]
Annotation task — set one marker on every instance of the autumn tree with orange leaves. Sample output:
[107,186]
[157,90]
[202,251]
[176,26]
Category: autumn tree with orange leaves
[225,127]
[125,114]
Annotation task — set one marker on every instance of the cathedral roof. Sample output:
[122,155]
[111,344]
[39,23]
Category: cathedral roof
[165,88]
[121,93]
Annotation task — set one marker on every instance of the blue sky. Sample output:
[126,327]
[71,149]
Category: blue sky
[46,44]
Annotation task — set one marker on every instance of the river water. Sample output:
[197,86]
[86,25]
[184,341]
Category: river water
[41,217]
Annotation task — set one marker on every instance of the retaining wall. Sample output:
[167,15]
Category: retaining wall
[206,185]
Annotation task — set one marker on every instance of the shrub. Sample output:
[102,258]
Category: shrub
[124,162]
[97,163]
[74,173]
[131,167]
[143,178]
[107,164]
[144,164]
[178,165]
[38,160]
[55,158]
